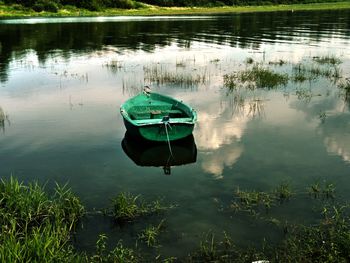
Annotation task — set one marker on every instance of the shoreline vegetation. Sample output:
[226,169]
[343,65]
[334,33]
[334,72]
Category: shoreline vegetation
[37,227]
[141,9]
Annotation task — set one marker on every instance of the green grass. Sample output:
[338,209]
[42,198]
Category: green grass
[128,207]
[254,201]
[325,190]
[16,11]
[119,254]
[151,233]
[35,227]
[256,77]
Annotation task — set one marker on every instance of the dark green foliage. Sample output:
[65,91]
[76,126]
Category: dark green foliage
[92,5]
[125,4]
[211,3]
[45,5]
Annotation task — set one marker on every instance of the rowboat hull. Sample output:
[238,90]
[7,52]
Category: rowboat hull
[158,132]
[156,117]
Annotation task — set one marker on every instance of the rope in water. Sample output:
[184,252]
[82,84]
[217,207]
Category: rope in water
[166,123]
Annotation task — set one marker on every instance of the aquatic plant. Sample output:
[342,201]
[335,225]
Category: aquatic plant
[322,116]
[150,234]
[304,94]
[256,77]
[159,75]
[249,60]
[263,77]
[118,254]
[283,192]
[330,59]
[114,65]
[180,64]
[279,62]
[2,115]
[256,108]
[215,61]
[329,190]
[3,119]
[301,72]
[213,250]
[251,201]
[299,76]
[325,190]
[327,241]
[127,207]
[314,189]
[231,81]
[36,227]
[344,86]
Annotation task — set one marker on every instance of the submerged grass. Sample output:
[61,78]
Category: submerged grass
[253,201]
[159,75]
[4,118]
[328,241]
[150,234]
[344,86]
[333,60]
[301,73]
[120,254]
[256,77]
[324,190]
[127,207]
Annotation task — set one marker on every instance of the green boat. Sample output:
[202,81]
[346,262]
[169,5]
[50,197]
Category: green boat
[156,117]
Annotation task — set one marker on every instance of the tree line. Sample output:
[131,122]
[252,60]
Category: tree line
[95,5]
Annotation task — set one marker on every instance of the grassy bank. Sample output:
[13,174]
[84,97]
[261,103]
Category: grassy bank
[147,10]
[36,227]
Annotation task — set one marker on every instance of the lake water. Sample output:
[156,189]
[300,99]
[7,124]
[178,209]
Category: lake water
[63,80]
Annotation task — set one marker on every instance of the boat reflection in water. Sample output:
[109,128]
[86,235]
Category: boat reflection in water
[158,154]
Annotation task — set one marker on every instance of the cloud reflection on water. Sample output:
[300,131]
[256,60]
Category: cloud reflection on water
[336,132]
[218,135]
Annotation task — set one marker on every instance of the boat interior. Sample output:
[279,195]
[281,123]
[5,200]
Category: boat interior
[156,110]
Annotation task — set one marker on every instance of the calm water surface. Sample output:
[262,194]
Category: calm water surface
[62,82]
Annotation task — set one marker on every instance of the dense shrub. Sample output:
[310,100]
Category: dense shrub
[126,4]
[45,5]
